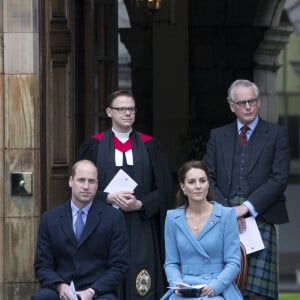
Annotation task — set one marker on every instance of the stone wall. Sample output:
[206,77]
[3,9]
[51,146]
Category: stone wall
[19,144]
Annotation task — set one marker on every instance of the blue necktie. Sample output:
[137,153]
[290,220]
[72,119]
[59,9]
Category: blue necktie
[79,224]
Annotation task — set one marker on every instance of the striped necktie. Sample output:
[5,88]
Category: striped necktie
[243,135]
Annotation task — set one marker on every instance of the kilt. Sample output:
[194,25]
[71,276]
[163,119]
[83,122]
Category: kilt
[262,265]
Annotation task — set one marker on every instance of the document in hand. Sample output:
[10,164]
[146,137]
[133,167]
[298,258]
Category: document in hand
[72,291]
[251,237]
[188,291]
[121,182]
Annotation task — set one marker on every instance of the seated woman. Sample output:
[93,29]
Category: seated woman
[201,240]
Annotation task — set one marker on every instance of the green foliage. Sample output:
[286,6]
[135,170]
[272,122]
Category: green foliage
[289,296]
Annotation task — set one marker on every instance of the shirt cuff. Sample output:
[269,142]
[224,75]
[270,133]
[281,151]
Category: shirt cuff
[251,208]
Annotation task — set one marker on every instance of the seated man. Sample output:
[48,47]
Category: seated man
[82,242]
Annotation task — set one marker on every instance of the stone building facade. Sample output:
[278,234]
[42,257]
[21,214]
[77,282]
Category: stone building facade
[58,63]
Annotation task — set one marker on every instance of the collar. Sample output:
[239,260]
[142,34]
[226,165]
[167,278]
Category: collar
[123,147]
[122,141]
[121,135]
[84,209]
[251,125]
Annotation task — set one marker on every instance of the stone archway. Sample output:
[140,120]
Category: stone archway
[292,8]
[266,56]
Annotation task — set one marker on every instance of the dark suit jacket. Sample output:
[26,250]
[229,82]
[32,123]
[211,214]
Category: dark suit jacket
[268,168]
[99,260]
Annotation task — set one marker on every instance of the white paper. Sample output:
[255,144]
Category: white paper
[72,291]
[183,286]
[251,237]
[121,182]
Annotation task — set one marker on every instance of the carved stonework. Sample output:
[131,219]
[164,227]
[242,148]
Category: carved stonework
[265,72]
[292,8]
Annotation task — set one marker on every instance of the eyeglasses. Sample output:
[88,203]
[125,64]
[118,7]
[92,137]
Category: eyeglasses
[243,103]
[123,110]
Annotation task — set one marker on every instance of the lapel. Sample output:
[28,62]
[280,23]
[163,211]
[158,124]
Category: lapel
[137,160]
[228,142]
[106,160]
[212,220]
[93,219]
[258,139]
[196,242]
[66,223]
[142,168]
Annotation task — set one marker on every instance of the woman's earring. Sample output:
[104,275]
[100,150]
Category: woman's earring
[184,192]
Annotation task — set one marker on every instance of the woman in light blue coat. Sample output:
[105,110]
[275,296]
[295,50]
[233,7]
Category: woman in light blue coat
[201,240]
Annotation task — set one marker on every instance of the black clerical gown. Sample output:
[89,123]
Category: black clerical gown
[145,278]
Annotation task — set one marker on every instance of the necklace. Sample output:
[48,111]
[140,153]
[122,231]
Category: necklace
[194,223]
[194,226]
[197,221]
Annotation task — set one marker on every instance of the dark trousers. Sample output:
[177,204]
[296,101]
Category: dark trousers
[49,294]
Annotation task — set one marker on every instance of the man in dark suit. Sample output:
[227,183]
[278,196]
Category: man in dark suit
[82,242]
[248,168]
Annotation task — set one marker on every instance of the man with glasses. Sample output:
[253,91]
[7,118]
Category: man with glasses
[248,162]
[144,160]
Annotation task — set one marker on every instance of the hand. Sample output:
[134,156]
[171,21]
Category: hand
[85,295]
[125,201]
[241,224]
[64,291]
[118,198]
[179,286]
[207,291]
[241,210]
[132,204]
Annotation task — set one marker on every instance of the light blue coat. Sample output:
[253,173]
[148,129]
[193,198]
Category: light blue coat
[212,257]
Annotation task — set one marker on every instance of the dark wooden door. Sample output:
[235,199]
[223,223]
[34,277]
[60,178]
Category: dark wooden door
[78,41]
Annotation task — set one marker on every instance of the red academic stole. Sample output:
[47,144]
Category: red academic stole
[123,147]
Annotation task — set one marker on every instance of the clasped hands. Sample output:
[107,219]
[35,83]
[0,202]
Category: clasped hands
[125,201]
[206,290]
[64,293]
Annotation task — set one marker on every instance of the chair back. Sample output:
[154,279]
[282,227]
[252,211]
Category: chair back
[241,277]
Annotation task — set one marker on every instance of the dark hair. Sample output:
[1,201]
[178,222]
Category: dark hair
[74,167]
[181,199]
[118,93]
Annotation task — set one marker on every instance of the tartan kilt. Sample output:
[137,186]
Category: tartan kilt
[262,265]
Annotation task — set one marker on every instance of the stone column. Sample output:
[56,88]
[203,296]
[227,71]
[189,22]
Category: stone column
[266,55]
[170,77]
[158,46]
[19,144]
[292,8]
[138,43]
